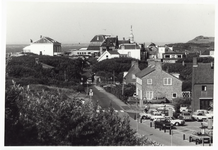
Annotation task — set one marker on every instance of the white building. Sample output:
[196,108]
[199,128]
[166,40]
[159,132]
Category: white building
[130,50]
[108,55]
[44,46]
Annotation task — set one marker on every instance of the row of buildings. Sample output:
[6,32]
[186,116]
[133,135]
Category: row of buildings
[153,83]
[106,47]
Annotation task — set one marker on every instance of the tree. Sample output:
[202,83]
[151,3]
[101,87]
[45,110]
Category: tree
[50,117]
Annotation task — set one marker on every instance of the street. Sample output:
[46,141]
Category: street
[175,139]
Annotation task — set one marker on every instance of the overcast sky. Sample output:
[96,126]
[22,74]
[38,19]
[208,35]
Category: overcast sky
[70,22]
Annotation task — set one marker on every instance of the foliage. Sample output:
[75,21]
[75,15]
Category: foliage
[107,67]
[24,70]
[128,91]
[50,117]
[178,101]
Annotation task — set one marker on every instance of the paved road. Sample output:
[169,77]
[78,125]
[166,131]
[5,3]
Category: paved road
[166,139]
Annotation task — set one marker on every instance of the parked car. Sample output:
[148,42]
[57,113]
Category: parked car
[157,101]
[199,116]
[148,114]
[176,122]
[186,116]
[209,114]
[157,115]
[162,123]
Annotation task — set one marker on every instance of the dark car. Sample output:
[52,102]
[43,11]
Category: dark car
[163,123]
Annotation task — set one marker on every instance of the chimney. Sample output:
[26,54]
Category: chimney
[124,38]
[195,62]
[31,41]
[40,36]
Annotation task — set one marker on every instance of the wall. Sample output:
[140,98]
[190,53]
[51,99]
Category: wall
[46,48]
[197,93]
[135,53]
[157,77]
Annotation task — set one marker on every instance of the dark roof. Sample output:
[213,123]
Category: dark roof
[98,38]
[110,41]
[130,46]
[46,40]
[93,47]
[113,52]
[135,69]
[203,73]
[145,71]
[123,41]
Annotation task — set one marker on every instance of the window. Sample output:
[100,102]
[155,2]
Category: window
[167,81]
[89,52]
[179,56]
[167,56]
[149,81]
[133,76]
[149,95]
[174,95]
[204,88]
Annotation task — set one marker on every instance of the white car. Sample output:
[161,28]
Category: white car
[199,116]
[148,114]
[209,114]
[176,122]
[156,116]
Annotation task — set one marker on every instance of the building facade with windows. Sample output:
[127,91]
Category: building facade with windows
[153,82]
[202,85]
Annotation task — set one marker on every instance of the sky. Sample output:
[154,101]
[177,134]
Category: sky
[78,22]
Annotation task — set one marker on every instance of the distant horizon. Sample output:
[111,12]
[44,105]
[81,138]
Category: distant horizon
[79,22]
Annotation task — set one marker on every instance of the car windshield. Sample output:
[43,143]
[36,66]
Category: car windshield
[186,114]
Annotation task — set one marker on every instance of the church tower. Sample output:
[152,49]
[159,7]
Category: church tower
[131,36]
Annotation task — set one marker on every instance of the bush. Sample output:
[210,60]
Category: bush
[51,118]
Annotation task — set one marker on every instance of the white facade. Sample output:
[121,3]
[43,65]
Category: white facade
[107,55]
[44,46]
[40,48]
[133,53]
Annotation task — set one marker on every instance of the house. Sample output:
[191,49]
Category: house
[153,82]
[84,52]
[132,50]
[130,75]
[110,43]
[202,85]
[97,41]
[163,49]
[207,53]
[172,57]
[152,51]
[108,55]
[44,46]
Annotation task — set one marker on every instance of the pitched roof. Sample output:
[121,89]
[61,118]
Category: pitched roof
[203,73]
[113,52]
[46,40]
[135,69]
[145,71]
[110,41]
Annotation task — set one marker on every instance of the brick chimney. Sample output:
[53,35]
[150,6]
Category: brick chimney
[195,62]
